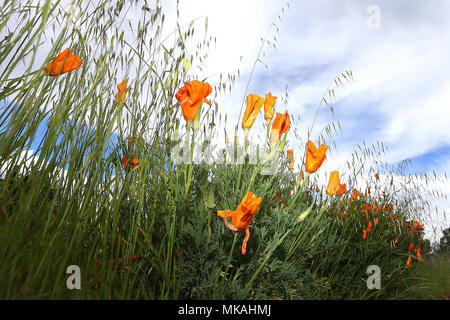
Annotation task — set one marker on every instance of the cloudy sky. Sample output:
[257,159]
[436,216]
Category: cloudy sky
[397,51]
[400,93]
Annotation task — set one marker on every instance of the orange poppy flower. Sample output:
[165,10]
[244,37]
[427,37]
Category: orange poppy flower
[64,62]
[269,106]
[315,157]
[254,104]
[369,226]
[408,262]
[416,226]
[134,162]
[242,216]
[290,156]
[122,91]
[191,96]
[280,125]
[411,246]
[418,253]
[344,214]
[333,184]
[392,181]
[355,194]
[377,176]
[342,190]
[364,233]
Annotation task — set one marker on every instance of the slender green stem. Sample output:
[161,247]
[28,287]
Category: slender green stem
[231,254]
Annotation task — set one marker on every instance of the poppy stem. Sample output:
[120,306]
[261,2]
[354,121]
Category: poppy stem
[325,204]
[231,253]
[246,130]
[300,190]
[189,177]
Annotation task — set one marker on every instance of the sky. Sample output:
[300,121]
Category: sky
[397,52]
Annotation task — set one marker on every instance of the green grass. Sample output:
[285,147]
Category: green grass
[435,272]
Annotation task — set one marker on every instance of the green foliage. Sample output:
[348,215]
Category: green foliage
[444,242]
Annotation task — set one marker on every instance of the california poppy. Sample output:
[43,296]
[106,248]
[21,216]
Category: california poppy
[191,96]
[369,226]
[416,226]
[254,104]
[392,181]
[344,214]
[418,253]
[242,216]
[290,156]
[64,62]
[342,189]
[122,91]
[355,194]
[408,262]
[315,157]
[280,125]
[269,106]
[333,184]
[377,176]
[134,162]
[364,233]
[411,246]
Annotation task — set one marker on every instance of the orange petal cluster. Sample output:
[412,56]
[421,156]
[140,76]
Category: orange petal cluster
[191,96]
[254,104]
[242,216]
[64,62]
[280,125]
[333,184]
[290,156]
[122,91]
[269,106]
[315,157]
[133,163]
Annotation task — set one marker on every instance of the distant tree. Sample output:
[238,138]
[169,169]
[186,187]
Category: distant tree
[444,243]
